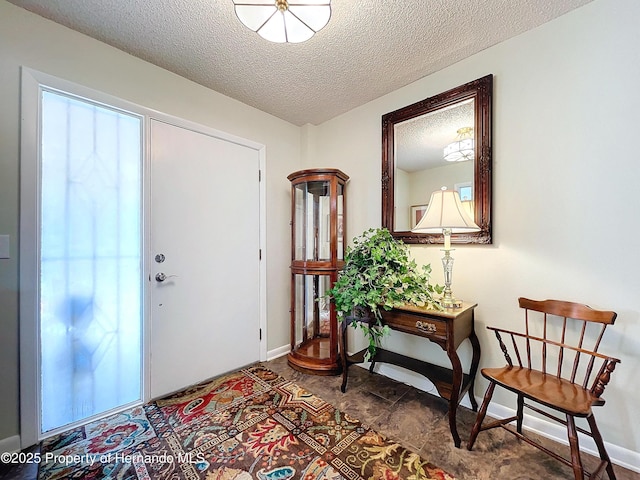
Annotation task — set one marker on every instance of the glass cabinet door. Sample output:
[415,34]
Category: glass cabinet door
[312,216]
[340,222]
[312,315]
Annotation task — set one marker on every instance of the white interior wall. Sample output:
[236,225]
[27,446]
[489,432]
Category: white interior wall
[565,188]
[29,40]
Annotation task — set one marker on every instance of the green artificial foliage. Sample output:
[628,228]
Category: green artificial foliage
[380,274]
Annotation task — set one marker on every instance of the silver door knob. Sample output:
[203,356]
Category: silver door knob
[160,277]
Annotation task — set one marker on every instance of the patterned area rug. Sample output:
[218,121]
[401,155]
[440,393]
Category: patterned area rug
[252,424]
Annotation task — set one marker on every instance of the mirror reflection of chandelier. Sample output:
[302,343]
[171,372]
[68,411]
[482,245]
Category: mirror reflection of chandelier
[461,148]
[284,21]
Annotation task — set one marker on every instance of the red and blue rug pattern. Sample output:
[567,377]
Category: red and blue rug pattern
[251,424]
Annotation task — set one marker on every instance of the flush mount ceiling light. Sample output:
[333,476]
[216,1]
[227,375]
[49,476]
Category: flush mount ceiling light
[281,21]
[462,148]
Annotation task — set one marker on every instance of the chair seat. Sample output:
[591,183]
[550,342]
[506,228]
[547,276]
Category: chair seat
[546,389]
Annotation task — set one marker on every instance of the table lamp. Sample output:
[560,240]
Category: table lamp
[446,214]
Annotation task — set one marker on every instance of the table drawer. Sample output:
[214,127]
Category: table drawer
[414,324]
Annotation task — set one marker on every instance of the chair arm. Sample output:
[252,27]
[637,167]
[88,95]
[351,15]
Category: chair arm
[554,343]
[601,379]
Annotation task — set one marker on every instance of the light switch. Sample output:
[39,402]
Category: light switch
[4,246]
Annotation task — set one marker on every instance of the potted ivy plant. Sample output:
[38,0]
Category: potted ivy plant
[380,274]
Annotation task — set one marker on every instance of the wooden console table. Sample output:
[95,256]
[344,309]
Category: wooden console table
[448,328]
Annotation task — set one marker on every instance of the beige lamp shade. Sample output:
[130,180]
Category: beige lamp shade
[446,211]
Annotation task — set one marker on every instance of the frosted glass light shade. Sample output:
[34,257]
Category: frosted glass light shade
[283,21]
[459,151]
[461,148]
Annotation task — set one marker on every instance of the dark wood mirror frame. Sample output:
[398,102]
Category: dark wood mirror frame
[481,90]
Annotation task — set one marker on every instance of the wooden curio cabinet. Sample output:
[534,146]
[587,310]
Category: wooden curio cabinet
[318,220]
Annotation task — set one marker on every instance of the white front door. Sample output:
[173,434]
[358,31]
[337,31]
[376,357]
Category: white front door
[205,265]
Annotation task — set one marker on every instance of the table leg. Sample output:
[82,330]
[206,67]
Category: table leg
[475,343]
[342,342]
[455,396]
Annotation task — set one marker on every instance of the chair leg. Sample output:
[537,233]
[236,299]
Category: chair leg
[595,433]
[481,414]
[520,413]
[578,471]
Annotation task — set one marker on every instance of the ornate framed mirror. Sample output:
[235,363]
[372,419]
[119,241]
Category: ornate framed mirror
[441,141]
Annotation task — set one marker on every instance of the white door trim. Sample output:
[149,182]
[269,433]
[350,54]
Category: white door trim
[31,83]
[29,259]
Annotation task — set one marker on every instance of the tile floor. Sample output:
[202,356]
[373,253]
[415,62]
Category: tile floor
[419,421]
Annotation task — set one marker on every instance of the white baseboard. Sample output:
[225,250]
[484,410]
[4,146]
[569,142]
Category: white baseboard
[278,352]
[10,444]
[619,455]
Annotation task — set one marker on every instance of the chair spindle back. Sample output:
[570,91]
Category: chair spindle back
[549,324]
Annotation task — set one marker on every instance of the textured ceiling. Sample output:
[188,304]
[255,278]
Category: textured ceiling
[368,49]
[420,141]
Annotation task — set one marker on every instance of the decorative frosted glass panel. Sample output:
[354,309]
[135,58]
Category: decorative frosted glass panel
[90,256]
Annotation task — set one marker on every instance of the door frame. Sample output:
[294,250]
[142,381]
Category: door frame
[32,82]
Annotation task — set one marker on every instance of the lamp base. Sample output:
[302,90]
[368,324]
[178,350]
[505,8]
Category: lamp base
[450,302]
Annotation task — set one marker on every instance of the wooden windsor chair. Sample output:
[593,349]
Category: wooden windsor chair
[562,381]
